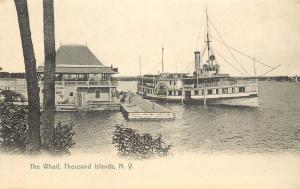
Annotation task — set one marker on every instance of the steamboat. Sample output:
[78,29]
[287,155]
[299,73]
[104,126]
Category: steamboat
[207,85]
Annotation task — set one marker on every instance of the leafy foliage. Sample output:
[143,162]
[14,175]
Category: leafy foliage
[14,127]
[63,140]
[131,144]
[11,96]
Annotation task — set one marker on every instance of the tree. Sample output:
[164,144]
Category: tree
[33,136]
[49,77]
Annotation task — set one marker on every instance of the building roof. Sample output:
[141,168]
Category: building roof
[76,55]
[83,70]
[78,59]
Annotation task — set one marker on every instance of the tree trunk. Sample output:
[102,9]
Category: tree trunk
[34,139]
[49,77]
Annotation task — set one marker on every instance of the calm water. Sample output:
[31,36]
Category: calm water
[271,128]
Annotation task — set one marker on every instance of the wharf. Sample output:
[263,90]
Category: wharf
[104,106]
[142,109]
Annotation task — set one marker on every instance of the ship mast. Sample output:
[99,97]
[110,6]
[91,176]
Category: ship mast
[162,59]
[140,65]
[141,74]
[207,37]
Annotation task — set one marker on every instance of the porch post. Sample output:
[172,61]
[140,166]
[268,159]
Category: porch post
[109,91]
[182,93]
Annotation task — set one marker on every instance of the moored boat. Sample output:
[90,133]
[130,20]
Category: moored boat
[206,85]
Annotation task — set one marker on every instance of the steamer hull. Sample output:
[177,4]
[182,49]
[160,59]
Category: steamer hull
[243,99]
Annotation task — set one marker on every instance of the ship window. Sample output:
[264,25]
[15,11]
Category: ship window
[97,93]
[209,91]
[71,94]
[241,89]
[73,76]
[224,90]
[196,92]
[179,93]
[170,93]
[81,76]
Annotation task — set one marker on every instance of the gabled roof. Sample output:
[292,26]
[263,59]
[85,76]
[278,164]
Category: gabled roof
[78,59]
[76,55]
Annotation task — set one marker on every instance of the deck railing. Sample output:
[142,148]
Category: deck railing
[84,83]
[221,83]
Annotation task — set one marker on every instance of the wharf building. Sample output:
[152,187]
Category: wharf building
[82,81]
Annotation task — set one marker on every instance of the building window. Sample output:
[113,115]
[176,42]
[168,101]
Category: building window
[209,91]
[71,94]
[233,91]
[179,93]
[241,89]
[170,93]
[202,92]
[67,76]
[196,92]
[170,82]
[224,90]
[217,91]
[97,93]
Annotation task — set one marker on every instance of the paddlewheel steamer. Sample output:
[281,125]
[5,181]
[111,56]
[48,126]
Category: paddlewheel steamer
[206,85]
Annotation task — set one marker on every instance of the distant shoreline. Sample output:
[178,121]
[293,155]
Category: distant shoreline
[265,78]
[21,75]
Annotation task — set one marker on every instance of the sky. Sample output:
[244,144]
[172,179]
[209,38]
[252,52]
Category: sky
[118,32]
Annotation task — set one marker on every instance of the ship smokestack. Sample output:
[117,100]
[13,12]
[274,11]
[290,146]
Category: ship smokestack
[197,61]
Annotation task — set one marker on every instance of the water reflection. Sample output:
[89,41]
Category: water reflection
[273,127]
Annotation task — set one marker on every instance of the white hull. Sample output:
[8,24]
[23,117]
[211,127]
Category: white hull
[249,102]
[240,99]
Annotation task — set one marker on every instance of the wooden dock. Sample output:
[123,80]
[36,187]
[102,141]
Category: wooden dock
[105,106]
[142,109]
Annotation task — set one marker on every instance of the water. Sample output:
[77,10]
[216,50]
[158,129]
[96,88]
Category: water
[273,127]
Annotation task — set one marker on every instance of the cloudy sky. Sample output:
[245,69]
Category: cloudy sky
[119,31]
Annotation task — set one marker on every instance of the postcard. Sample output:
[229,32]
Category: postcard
[150,94]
